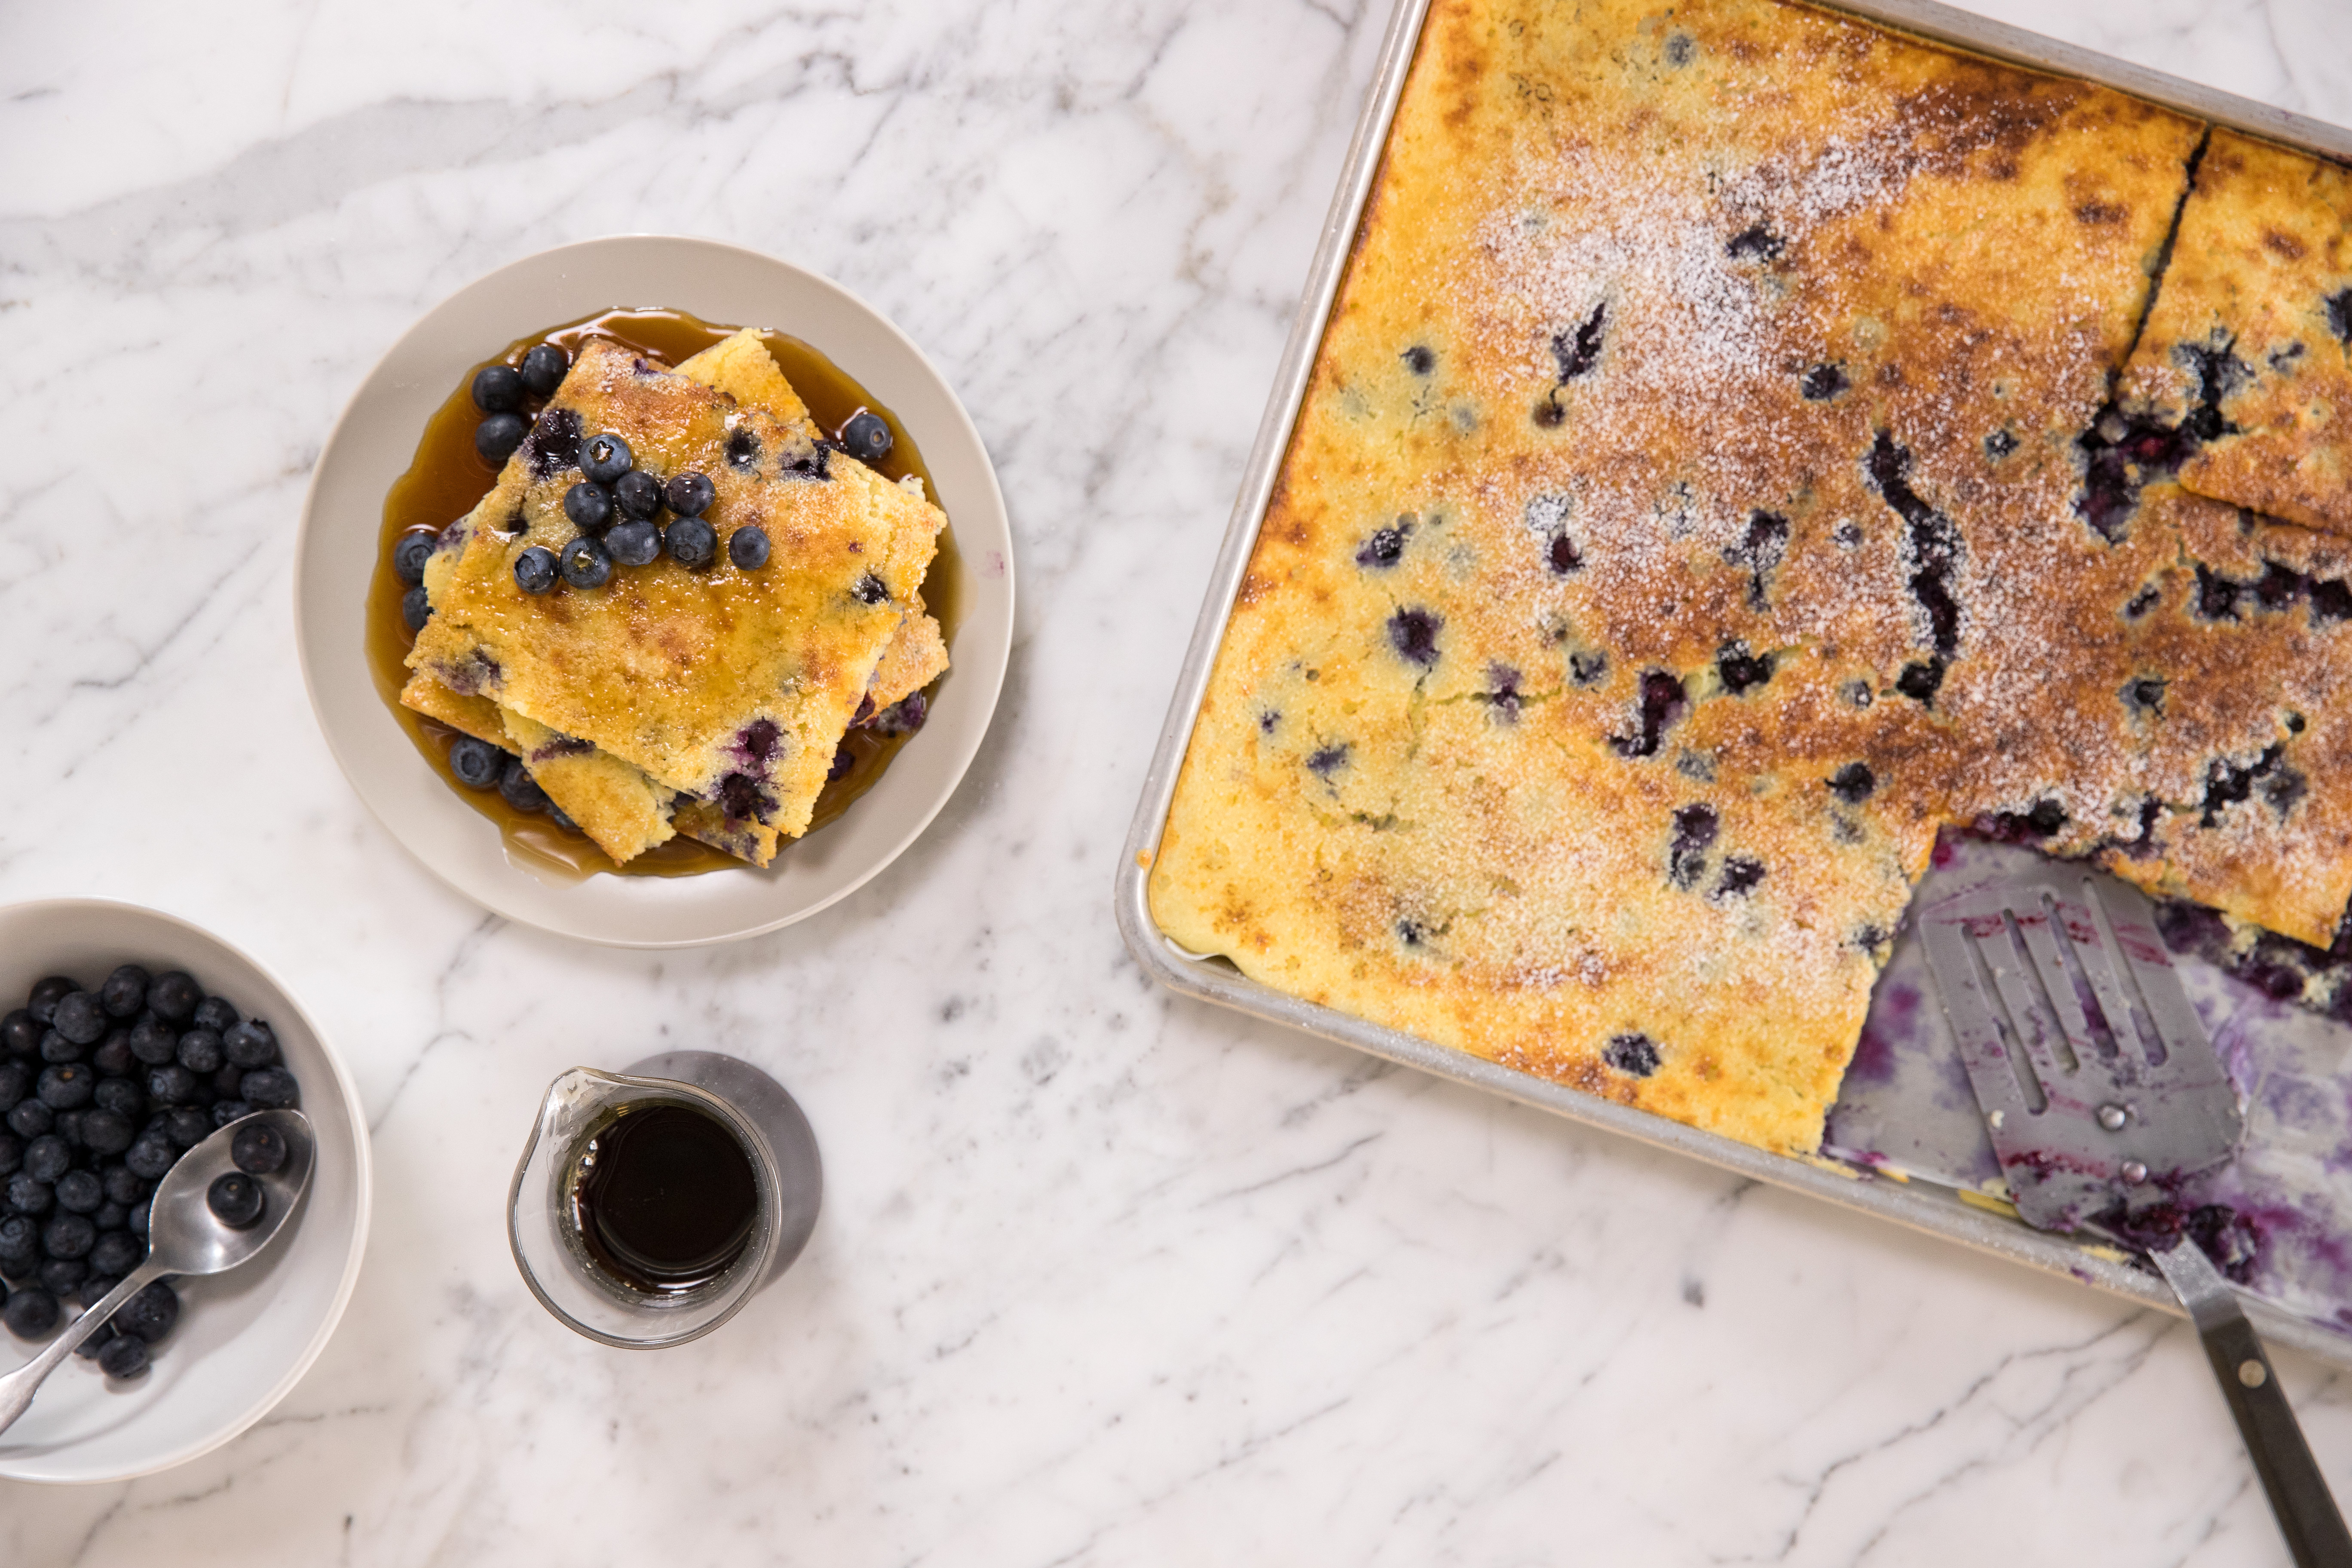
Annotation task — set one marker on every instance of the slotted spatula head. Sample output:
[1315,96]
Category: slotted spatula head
[2096,1078]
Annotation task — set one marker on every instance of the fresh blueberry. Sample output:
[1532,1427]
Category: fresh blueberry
[66,1086]
[125,992]
[691,541]
[105,1133]
[543,370]
[153,1041]
[866,436]
[589,506]
[257,1150]
[110,1216]
[498,389]
[689,495]
[150,1314]
[12,1153]
[47,1157]
[81,1018]
[31,1313]
[94,1289]
[20,1033]
[81,1191]
[223,1084]
[519,790]
[633,544]
[251,1044]
[227,1110]
[638,493]
[30,1118]
[69,1236]
[585,564]
[123,1184]
[137,1224]
[124,1355]
[217,1014]
[415,609]
[556,815]
[497,437]
[237,1200]
[534,569]
[61,1276]
[409,556]
[476,763]
[16,1083]
[271,1089]
[113,1058]
[188,1125]
[606,457]
[68,1127]
[96,1341]
[117,1252]
[20,1242]
[201,1051]
[42,1000]
[170,1084]
[748,547]
[55,1047]
[28,1194]
[149,1154]
[175,996]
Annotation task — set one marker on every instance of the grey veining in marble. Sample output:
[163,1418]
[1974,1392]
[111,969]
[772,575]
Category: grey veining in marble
[1103,1277]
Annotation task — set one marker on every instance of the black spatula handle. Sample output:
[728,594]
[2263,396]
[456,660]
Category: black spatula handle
[2306,1513]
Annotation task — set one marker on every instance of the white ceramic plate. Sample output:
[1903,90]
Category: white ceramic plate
[243,1337]
[373,445]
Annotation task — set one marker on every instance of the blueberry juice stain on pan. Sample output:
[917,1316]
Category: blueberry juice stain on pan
[447,477]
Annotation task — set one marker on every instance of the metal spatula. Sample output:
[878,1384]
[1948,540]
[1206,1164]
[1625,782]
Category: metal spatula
[2102,1094]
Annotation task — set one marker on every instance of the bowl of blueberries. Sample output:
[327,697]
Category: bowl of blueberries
[127,1039]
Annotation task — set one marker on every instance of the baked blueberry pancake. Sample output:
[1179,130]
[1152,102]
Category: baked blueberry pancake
[677,590]
[1694,508]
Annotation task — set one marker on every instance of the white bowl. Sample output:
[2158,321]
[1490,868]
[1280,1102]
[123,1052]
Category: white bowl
[373,445]
[243,1337]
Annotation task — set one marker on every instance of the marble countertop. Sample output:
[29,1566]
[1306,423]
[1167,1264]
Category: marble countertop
[1103,1276]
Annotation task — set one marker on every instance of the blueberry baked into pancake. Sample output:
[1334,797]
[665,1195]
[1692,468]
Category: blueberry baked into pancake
[675,603]
[1698,502]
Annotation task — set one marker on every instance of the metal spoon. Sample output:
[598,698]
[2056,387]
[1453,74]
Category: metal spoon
[183,1237]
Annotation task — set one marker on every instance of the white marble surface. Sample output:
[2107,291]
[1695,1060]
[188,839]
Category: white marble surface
[1102,1276]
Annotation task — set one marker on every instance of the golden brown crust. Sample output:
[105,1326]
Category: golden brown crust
[742,368]
[916,655]
[621,810]
[475,716]
[1686,518]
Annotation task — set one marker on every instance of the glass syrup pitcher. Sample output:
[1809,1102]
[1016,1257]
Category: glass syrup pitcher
[651,1203]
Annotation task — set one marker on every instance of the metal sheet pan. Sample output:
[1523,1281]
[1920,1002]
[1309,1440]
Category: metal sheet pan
[1938,1210]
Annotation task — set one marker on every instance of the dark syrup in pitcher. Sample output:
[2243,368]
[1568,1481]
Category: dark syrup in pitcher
[665,1198]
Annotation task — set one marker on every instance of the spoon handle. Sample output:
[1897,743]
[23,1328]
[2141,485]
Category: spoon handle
[16,1389]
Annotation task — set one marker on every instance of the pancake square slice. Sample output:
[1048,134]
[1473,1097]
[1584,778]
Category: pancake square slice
[2248,349]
